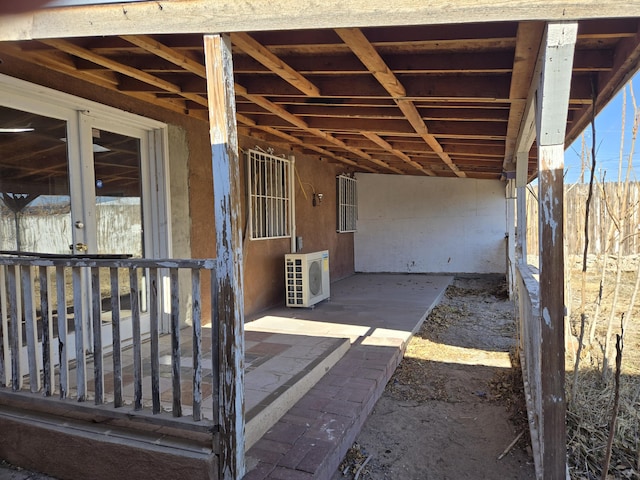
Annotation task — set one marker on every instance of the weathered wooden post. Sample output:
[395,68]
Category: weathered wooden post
[522,168]
[226,186]
[552,102]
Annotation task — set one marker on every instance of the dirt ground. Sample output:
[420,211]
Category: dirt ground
[454,405]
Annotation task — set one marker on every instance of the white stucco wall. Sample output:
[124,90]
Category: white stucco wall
[435,225]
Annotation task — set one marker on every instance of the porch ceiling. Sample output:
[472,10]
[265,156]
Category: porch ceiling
[440,100]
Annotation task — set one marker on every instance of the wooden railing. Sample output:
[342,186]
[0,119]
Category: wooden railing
[530,356]
[62,317]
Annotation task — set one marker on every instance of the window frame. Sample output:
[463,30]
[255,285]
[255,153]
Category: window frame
[346,204]
[269,195]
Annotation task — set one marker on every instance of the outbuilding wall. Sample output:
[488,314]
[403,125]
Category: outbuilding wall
[424,224]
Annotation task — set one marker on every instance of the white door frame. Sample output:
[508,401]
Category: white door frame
[81,115]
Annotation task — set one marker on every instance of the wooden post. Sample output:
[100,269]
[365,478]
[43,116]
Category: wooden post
[552,103]
[510,195]
[522,166]
[227,198]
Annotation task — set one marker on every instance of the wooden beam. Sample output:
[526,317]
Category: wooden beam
[229,272]
[201,16]
[175,57]
[484,88]
[167,53]
[55,61]
[527,46]
[262,54]
[375,138]
[552,103]
[140,75]
[298,122]
[371,59]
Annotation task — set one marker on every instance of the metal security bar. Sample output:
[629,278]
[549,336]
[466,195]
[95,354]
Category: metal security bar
[269,195]
[347,204]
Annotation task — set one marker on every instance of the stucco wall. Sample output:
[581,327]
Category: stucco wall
[422,224]
[191,192]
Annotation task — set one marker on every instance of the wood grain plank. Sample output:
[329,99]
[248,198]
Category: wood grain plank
[96,317]
[196,316]
[175,343]
[154,321]
[47,332]
[31,331]
[15,321]
[79,328]
[134,292]
[188,16]
[116,342]
[230,293]
[552,103]
[63,347]
[262,54]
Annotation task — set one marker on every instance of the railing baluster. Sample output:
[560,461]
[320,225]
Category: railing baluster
[78,322]
[137,347]
[175,343]
[155,348]
[16,328]
[196,314]
[62,331]
[98,371]
[30,327]
[215,352]
[18,318]
[115,329]
[46,332]
[4,329]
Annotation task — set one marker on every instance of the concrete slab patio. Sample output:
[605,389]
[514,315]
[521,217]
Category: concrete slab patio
[378,313]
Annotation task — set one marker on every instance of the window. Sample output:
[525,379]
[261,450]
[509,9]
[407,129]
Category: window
[347,204]
[269,195]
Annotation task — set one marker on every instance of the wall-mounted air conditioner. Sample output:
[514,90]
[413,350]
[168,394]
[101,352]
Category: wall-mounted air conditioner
[306,278]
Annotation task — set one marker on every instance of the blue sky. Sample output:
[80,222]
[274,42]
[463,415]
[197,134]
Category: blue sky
[608,137]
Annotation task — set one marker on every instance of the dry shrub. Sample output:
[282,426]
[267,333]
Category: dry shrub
[588,418]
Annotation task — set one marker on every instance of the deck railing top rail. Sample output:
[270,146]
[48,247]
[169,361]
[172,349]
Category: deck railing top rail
[136,323]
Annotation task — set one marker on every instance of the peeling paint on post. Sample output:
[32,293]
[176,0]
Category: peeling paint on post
[552,105]
[230,296]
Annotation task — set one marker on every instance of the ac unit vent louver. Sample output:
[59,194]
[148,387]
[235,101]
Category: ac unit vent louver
[306,278]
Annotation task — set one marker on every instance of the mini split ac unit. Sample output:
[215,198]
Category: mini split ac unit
[307,278]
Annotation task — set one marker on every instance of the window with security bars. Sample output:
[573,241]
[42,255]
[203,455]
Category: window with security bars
[347,204]
[269,195]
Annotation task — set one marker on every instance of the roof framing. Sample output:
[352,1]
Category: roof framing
[211,16]
[440,89]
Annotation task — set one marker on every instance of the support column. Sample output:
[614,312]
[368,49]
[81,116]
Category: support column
[522,167]
[552,102]
[511,235]
[227,204]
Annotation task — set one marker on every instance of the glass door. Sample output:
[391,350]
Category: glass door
[35,194]
[39,198]
[114,208]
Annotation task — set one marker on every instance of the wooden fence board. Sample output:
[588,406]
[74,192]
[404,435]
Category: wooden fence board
[600,219]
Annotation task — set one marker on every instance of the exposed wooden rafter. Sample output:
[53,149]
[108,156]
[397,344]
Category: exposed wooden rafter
[72,49]
[433,99]
[524,63]
[368,55]
[175,57]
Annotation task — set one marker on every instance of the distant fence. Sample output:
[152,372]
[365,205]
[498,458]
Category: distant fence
[119,230]
[603,212]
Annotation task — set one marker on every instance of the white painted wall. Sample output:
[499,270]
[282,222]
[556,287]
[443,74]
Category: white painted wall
[430,225]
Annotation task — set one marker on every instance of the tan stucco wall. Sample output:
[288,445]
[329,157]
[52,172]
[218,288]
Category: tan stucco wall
[264,259]
[190,166]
